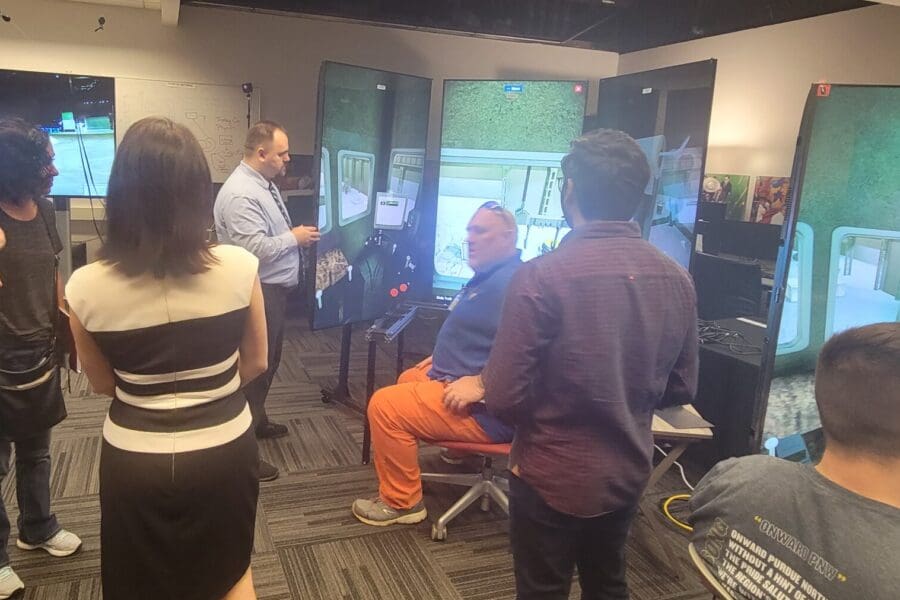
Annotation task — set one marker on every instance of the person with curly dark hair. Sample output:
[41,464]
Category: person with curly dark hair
[31,401]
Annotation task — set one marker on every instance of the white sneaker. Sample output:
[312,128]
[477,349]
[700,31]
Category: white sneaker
[9,583]
[63,543]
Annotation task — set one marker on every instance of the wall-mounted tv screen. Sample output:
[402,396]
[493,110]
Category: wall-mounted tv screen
[78,112]
[667,111]
[844,267]
[502,141]
[372,133]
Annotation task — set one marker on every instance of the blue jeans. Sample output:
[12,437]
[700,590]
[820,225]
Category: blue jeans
[36,522]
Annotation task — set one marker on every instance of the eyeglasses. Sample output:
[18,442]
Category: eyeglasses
[491,205]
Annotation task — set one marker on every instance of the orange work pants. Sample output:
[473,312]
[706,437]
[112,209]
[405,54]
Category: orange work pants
[399,416]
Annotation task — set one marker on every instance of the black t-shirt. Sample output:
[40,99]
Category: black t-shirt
[27,267]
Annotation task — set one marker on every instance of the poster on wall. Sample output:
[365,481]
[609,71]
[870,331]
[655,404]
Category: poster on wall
[770,196]
[732,190]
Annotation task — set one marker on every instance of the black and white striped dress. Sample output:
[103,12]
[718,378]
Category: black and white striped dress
[178,469]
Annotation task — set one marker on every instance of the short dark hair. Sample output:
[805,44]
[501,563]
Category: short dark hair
[610,172]
[159,203]
[858,390]
[259,134]
[24,160]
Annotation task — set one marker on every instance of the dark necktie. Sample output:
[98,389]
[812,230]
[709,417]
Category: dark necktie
[304,257]
[277,197]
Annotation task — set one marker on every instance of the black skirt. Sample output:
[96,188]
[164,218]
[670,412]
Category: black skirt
[177,526]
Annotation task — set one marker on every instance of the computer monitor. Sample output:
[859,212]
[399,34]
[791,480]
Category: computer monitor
[752,240]
[726,288]
[390,211]
[78,113]
[372,132]
[841,268]
[667,111]
[710,216]
[502,141]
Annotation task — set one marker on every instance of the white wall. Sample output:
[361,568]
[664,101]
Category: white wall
[280,55]
[764,74]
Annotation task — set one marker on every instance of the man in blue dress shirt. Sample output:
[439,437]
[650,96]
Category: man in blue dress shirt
[250,213]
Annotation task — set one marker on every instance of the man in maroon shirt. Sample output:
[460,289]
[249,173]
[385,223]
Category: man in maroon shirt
[593,338]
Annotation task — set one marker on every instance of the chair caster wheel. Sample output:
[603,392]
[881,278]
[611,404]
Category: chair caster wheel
[438,535]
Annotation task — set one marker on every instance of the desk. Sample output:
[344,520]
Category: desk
[766,266]
[681,439]
[726,394]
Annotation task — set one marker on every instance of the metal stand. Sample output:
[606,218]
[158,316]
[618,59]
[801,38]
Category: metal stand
[341,391]
[386,329]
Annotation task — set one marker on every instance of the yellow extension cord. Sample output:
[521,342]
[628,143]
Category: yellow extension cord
[668,514]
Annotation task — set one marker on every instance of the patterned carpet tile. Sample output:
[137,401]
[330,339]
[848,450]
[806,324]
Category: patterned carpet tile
[269,579]
[313,443]
[308,544]
[390,565]
[79,515]
[315,506]
[476,558]
[87,588]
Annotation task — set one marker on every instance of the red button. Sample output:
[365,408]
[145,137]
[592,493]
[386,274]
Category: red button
[394,293]
[403,287]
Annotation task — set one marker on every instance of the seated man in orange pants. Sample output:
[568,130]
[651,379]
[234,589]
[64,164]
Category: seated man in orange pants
[414,408]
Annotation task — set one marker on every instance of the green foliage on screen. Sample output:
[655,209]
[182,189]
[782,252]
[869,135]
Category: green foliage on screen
[544,117]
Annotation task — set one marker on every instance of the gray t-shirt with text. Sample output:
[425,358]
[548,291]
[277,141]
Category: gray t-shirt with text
[774,529]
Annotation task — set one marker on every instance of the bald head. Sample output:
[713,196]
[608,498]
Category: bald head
[491,237]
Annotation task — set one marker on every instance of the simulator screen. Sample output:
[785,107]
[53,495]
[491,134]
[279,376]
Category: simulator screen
[502,141]
[372,130]
[667,111]
[78,113]
[844,267]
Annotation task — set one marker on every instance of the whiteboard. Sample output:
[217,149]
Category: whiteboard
[216,114]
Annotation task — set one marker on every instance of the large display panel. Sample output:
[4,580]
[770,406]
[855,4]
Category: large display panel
[844,268]
[372,130]
[667,111]
[502,141]
[78,112]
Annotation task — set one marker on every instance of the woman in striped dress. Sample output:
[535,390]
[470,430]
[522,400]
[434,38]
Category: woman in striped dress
[171,327]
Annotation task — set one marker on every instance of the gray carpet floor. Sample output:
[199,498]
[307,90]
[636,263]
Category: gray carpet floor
[308,545]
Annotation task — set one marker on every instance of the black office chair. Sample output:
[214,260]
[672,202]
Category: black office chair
[726,288]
